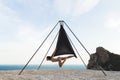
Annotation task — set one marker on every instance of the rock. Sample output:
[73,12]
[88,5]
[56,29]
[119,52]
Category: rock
[105,59]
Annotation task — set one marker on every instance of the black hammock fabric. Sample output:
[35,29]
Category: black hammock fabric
[63,46]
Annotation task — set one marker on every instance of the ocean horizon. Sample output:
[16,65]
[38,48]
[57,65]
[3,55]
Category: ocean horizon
[33,67]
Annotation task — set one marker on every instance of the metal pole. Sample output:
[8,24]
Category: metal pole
[77,52]
[84,47]
[47,52]
[78,39]
[37,50]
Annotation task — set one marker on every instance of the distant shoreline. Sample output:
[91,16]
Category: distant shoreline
[31,67]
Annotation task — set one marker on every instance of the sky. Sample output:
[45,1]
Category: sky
[24,24]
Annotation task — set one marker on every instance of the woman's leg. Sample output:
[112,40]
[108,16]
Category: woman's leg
[61,62]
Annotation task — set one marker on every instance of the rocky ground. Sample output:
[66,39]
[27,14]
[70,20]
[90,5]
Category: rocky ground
[59,75]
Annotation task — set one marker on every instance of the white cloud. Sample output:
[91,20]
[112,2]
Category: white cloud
[112,20]
[8,13]
[22,37]
[9,22]
[74,8]
[25,35]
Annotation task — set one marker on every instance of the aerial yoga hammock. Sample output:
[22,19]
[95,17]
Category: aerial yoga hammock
[63,47]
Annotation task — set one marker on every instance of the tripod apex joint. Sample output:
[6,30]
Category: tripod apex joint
[61,21]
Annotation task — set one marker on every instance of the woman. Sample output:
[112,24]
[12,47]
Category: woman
[60,60]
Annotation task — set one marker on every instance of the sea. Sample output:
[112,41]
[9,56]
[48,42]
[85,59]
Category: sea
[32,67]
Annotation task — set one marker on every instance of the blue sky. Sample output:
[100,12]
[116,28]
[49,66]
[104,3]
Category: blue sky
[25,23]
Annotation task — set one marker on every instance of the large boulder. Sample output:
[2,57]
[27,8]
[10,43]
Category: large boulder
[105,59]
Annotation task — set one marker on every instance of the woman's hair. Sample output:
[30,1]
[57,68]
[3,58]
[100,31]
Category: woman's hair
[49,57]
